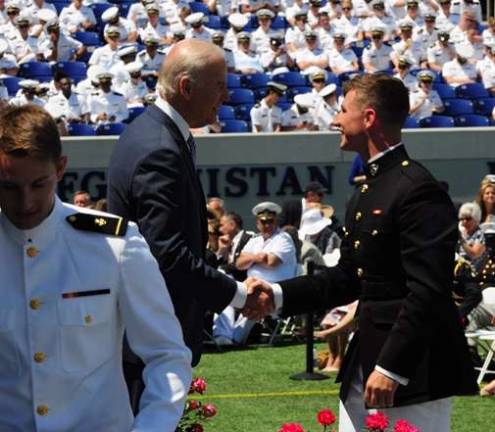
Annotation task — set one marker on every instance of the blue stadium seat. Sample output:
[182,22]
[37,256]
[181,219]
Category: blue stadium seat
[484,106]
[346,76]
[134,112]
[437,121]
[75,70]
[150,81]
[12,84]
[197,6]
[59,6]
[234,126]
[214,22]
[279,23]
[471,120]
[240,96]
[471,91]
[243,112]
[124,9]
[359,46]
[284,106]
[233,81]
[455,107]
[88,38]
[445,91]
[98,9]
[255,80]
[226,112]
[36,70]
[411,123]
[80,129]
[332,78]
[293,91]
[110,129]
[261,93]
[291,79]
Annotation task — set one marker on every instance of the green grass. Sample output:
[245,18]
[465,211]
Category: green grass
[241,384]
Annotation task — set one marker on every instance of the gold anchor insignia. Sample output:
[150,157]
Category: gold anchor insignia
[100,222]
[374,169]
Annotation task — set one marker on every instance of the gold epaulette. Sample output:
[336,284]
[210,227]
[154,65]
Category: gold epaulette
[112,225]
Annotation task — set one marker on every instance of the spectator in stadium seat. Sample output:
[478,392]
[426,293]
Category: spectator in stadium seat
[222,8]
[467,22]
[137,12]
[8,63]
[291,12]
[36,6]
[317,78]
[277,57]
[22,45]
[427,33]
[27,94]
[441,52]
[488,34]
[379,19]
[348,23]
[260,38]
[314,12]
[486,69]
[237,22]
[312,54]
[404,66]
[327,109]
[340,58]
[424,101]
[178,33]
[151,57]
[107,55]
[376,56]
[459,71]
[300,115]
[82,199]
[294,36]
[9,29]
[217,37]
[126,54]
[413,13]
[107,106]
[196,28]
[413,49]
[471,6]
[127,28]
[135,89]
[445,18]
[154,27]
[174,11]
[266,116]
[253,6]
[473,39]
[245,60]
[67,105]
[325,30]
[90,85]
[77,17]
[486,199]
[59,47]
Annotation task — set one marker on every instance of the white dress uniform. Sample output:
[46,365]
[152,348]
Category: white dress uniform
[431,102]
[292,117]
[459,7]
[159,31]
[265,117]
[71,18]
[105,57]
[409,80]
[244,61]
[137,13]
[486,69]
[8,61]
[268,60]
[295,36]
[125,27]
[455,69]
[412,49]
[21,100]
[67,296]
[349,27]
[72,109]
[112,103]
[386,22]
[313,55]
[34,9]
[203,33]
[439,55]
[488,37]
[24,49]
[150,64]
[379,58]
[132,91]
[325,114]
[342,60]
[426,38]
[260,40]
[66,47]
[225,7]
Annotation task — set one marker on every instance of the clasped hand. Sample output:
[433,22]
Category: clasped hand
[260,301]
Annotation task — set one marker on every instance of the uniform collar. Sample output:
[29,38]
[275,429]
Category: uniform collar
[179,121]
[385,160]
[39,236]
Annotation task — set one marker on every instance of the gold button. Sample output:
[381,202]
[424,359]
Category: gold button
[357,243]
[360,273]
[364,188]
[374,232]
[359,215]
[88,319]
[405,163]
[72,218]
[42,410]
[31,251]
[35,304]
[39,357]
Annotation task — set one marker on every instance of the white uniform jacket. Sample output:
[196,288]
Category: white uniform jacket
[67,296]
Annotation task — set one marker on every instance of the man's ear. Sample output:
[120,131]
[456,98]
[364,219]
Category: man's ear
[60,167]
[370,118]
[185,87]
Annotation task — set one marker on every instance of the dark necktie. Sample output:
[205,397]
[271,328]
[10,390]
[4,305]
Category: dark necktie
[191,145]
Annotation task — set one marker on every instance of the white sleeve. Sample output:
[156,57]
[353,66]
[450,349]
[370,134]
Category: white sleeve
[155,335]
[282,247]
[248,247]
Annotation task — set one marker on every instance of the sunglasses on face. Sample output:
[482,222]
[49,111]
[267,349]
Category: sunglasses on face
[267,221]
[465,218]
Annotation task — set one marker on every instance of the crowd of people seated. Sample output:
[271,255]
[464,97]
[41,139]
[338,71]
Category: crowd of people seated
[96,62]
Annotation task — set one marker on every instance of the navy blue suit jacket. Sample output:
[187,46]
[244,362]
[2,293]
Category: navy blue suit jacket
[152,181]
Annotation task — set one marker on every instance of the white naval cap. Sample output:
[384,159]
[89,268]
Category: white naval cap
[133,67]
[315,72]
[29,83]
[243,36]
[406,60]
[377,2]
[277,87]
[177,29]
[126,50]
[195,18]
[152,7]
[328,90]
[93,72]
[110,14]
[112,30]
[104,75]
[265,13]
[426,75]
[310,33]
[24,16]
[464,50]
[238,20]
[52,24]
[378,29]
[46,15]
[405,24]
[151,39]
[266,209]
[217,34]
[304,100]
[340,35]
[13,4]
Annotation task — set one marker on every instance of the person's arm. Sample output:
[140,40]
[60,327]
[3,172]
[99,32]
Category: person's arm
[346,322]
[154,334]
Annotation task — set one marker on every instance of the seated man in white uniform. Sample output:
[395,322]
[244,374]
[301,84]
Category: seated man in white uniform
[328,108]
[425,101]
[270,255]
[266,116]
[72,281]
[300,116]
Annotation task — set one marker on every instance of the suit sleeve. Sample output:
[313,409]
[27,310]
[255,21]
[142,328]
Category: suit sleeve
[428,235]
[160,216]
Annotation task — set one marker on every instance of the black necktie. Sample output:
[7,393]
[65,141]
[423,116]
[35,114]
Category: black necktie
[191,145]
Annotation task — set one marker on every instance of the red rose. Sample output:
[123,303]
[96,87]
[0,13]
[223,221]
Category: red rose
[405,426]
[326,417]
[209,410]
[377,422]
[196,427]
[192,405]
[291,427]
[198,385]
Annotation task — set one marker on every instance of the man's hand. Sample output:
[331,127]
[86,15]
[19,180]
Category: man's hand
[380,391]
[260,301]
[260,258]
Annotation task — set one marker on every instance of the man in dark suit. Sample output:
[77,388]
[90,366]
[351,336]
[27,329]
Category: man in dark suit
[153,181]
[409,355]
[292,210]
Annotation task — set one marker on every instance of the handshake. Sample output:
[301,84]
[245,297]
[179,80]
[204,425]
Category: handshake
[260,300]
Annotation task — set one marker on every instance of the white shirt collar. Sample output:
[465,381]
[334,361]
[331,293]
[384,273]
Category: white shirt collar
[179,121]
[383,153]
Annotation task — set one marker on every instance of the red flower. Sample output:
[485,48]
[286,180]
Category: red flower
[198,385]
[377,422]
[291,427]
[192,405]
[326,417]
[405,426]
[196,427]
[209,410]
